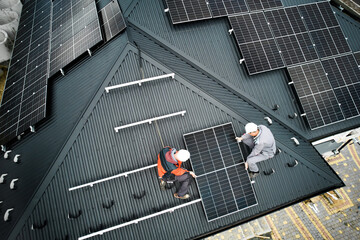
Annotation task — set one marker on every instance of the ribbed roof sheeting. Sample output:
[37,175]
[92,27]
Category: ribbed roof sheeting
[97,151]
[208,45]
[67,98]
[229,99]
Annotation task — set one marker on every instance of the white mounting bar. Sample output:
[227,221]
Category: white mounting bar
[125,174]
[170,210]
[172,75]
[149,120]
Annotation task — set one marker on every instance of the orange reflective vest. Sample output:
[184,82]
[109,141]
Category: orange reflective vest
[164,166]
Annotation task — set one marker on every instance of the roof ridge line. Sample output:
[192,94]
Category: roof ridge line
[65,148]
[231,112]
[202,68]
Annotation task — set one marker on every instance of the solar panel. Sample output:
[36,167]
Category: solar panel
[113,20]
[24,99]
[188,10]
[227,7]
[75,29]
[328,89]
[218,162]
[357,57]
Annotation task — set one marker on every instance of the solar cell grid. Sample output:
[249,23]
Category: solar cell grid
[279,22]
[260,24]
[324,44]
[217,8]
[346,102]
[339,40]
[290,50]
[333,73]
[306,46]
[272,54]
[316,77]
[354,90]
[312,17]
[217,160]
[235,6]
[113,20]
[242,188]
[299,79]
[357,57]
[312,112]
[255,57]
[329,107]
[348,68]
[244,29]
[254,5]
[327,14]
[216,194]
[271,3]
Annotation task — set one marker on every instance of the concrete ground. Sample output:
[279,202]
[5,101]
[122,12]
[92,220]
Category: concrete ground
[316,218]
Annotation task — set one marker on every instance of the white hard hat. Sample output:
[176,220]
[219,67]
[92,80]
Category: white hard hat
[251,127]
[183,155]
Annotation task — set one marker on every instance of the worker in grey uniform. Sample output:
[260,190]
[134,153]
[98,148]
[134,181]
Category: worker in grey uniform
[262,143]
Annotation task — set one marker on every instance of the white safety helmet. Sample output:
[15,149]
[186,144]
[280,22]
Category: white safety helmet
[183,155]
[251,127]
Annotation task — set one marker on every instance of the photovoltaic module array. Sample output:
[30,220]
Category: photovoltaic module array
[24,100]
[113,20]
[182,11]
[284,37]
[217,160]
[329,90]
[51,34]
[75,29]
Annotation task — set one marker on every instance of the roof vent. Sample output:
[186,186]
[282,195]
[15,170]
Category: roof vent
[7,215]
[293,163]
[6,154]
[38,226]
[293,116]
[74,215]
[275,107]
[269,171]
[13,184]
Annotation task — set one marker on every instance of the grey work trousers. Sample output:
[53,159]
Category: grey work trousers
[185,181]
[252,160]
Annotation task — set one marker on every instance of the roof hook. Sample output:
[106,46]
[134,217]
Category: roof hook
[3,148]
[16,158]
[268,120]
[12,184]
[6,155]
[296,141]
[7,215]
[2,177]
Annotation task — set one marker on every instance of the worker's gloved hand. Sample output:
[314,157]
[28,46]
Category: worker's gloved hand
[193,174]
[238,139]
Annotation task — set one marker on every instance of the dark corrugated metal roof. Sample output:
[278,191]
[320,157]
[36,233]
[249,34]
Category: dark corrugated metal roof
[98,151]
[68,97]
[78,143]
[208,45]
